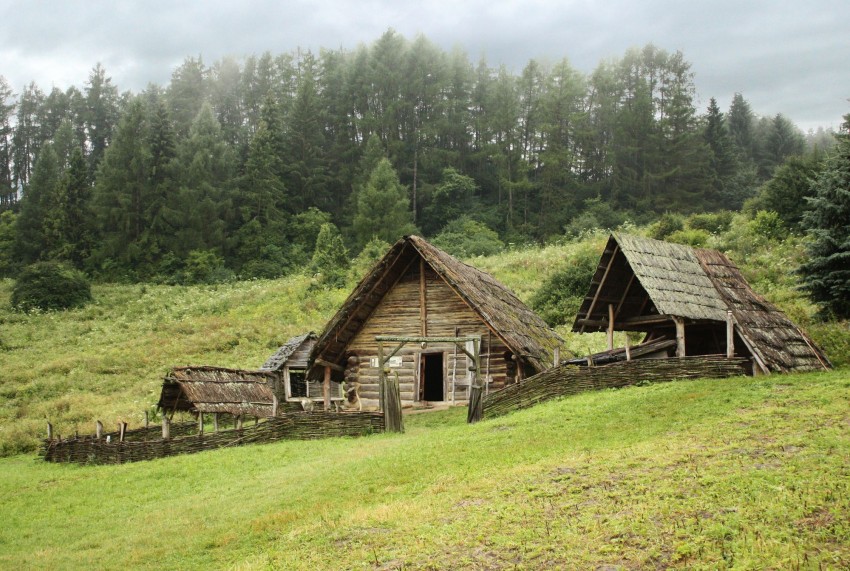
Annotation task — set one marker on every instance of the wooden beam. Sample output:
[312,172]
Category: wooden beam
[625,293]
[329,365]
[730,335]
[610,326]
[680,336]
[423,307]
[326,389]
[601,283]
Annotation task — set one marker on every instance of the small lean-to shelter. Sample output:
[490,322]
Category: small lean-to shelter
[688,302]
[289,363]
[418,292]
[206,389]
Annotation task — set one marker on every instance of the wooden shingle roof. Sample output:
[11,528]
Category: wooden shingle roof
[522,330]
[280,357]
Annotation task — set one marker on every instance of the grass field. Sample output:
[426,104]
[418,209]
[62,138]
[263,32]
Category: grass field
[745,473]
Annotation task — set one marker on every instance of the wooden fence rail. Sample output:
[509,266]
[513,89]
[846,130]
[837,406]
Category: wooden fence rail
[567,380]
[291,426]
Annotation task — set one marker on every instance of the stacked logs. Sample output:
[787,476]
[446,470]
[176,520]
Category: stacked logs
[292,426]
[569,379]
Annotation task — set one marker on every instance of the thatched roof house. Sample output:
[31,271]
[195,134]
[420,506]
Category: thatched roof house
[218,390]
[417,289]
[693,296]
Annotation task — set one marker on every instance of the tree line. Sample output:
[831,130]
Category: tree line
[237,165]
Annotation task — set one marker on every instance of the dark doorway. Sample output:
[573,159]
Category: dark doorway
[432,377]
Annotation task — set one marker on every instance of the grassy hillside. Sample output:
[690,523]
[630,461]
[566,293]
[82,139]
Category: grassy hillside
[745,473]
[106,361]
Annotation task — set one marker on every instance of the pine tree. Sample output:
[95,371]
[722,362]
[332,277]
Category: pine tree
[36,239]
[101,113]
[826,274]
[75,225]
[383,209]
[8,193]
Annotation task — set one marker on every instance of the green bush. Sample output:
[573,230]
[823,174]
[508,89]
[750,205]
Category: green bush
[695,238]
[559,298]
[50,286]
[769,224]
[666,225]
[466,237]
[711,222]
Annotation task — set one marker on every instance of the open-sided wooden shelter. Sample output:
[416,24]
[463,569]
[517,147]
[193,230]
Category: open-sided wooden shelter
[689,302]
[440,309]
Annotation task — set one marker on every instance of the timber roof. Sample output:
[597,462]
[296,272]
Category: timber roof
[522,330]
[280,357]
[646,281]
[217,389]
[768,333]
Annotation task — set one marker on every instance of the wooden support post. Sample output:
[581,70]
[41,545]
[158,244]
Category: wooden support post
[200,423]
[730,335]
[215,422]
[680,336]
[147,420]
[166,427]
[610,326]
[98,429]
[557,357]
[275,405]
[238,422]
[628,349]
[122,429]
[326,389]
[49,431]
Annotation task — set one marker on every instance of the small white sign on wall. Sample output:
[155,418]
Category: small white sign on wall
[393,363]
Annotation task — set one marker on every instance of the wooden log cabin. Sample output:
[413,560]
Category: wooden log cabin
[417,291]
[688,301]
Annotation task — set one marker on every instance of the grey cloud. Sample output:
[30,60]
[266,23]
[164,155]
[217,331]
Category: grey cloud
[787,57]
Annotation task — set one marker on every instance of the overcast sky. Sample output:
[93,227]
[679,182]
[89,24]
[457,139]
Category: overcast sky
[784,57]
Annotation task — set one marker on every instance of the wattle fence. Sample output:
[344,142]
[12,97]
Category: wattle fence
[148,444]
[567,380]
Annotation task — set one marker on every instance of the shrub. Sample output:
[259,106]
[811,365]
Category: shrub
[711,222]
[666,225]
[330,258]
[695,238]
[559,298]
[50,286]
[767,223]
[466,237]
[205,267]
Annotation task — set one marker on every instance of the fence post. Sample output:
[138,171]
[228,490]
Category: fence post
[49,431]
[166,427]
[122,428]
[200,423]
[215,422]
[147,420]
[476,404]
[392,405]
[98,429]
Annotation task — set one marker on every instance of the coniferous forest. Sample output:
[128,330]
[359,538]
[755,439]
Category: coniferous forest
[234,167]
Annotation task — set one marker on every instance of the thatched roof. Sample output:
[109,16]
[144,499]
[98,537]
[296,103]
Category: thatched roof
[217,389]
[768,333]
[647,282]
[299,344]
[522,330]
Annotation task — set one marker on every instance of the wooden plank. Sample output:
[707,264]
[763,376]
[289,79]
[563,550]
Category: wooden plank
[326,388]
[730,335]
[601,283]
[610,326]
[680,336]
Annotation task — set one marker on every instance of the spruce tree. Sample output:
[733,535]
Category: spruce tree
[39,208]
[826,274]
[383,209]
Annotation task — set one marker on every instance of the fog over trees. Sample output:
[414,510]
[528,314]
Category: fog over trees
[240,162]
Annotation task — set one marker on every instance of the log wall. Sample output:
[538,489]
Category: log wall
[446,314]
[293,426]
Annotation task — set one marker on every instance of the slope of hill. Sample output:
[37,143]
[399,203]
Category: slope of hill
[743,472]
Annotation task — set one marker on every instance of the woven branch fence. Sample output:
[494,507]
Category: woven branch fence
[291,426]
[567,380]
